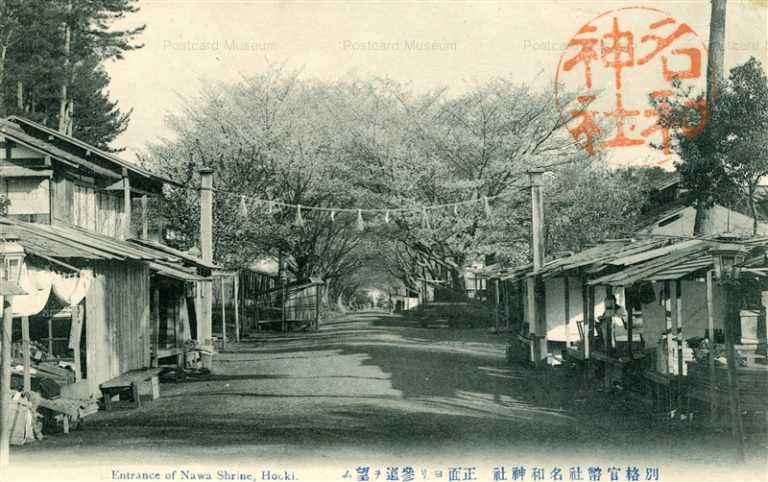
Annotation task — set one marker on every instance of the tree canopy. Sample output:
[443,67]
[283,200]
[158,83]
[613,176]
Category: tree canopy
[52,58]
[373,143]
[724,153]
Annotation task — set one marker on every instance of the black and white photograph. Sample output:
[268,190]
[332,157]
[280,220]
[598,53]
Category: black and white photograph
[383,241]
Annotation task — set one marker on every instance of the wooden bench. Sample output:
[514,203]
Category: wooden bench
[180,355]
[129,381]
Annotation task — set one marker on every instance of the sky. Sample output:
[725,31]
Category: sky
[456,44]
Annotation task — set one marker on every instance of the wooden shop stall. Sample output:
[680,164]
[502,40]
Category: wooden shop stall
[86,323]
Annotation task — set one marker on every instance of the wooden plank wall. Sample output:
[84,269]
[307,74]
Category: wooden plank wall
[117,321]
[82,203]
[62,196]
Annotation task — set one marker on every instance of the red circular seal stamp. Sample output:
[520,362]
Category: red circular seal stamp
[611,70]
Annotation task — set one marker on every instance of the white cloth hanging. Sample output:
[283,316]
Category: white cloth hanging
[37,283]
[71,290]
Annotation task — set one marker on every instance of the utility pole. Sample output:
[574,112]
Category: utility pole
[204,331]
[5,382]
[537,319]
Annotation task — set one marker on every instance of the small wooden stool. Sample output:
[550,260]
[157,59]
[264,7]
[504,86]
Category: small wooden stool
[130,382]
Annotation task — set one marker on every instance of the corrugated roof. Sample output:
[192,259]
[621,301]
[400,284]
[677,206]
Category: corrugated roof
[65,241]
[648,268]
[634,258]
[596,257]
[164,250]
[175,272]
[683,269]
[43,243]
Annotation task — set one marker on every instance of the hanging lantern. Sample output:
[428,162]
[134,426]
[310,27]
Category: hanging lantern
[486,206]
[299,223]
[11,258]
[360,222]
[425,219]
[727,257]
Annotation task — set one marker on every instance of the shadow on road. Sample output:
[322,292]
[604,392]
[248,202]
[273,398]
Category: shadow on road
[378,384]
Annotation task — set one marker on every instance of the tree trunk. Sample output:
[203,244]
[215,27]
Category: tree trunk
[64,100]
[716,52]
[752,209]
[3,54]
[715,76]
[698,220]
[19,96]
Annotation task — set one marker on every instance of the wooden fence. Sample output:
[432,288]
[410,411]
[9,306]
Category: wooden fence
[245,302]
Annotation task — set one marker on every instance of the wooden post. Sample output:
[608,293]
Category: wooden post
[284,297]
[731,321]
[630,334]
[182,335]
[262,284]
[74,342]
[223,316]
[668,315]
[567,297]
[679,330]
[317,307]
[539,328]
[711,330]
[126,204]
[530,285]
[27,355]
[608,338]
[50,335]
[237,305]
[5,382]
[589,339]
[497,302]
[155,317]
[507,301]
[204,328]
[144,217]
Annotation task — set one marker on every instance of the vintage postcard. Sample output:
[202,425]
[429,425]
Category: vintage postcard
[383,241]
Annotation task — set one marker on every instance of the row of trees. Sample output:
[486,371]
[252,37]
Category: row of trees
[374,143]
[52,56]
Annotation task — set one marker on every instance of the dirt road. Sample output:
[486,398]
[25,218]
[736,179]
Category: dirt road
[372,388]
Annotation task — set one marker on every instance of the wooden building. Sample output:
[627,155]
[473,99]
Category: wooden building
[71,208]
[673,304]
[559,291]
